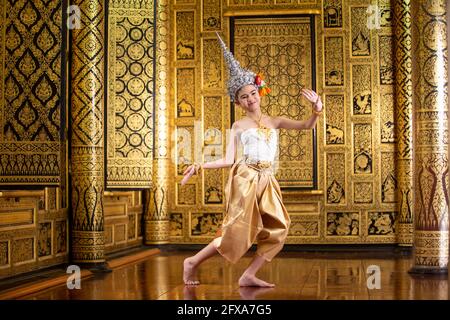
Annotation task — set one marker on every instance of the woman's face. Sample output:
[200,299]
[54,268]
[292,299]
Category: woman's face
[248,98]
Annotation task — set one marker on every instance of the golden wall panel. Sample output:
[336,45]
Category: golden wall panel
[334,61]
[120,235]
[34,232]
[343,224]
[363,192]
[214,149]
[359,32]
[362,149]
[176,225]
[21,217]
[23,250]
[204,225]
[302,226]
[381,224]
[386,65]
[185,92]
[44,239]
[185,147]
[305,224]
[332,13]
[336,179]
[388,190]
[362,89]
[285,62]
[131,227]
[387,115]
[130,102]
[30,92]
[212,65]
[185,39]
[123,214]
[61,236]
[335,119]
[4,254]
[212,15]
[186,195]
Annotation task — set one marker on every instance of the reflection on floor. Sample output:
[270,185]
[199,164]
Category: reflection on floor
[307,275]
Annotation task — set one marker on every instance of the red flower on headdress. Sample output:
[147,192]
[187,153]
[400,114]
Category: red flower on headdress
[263,89]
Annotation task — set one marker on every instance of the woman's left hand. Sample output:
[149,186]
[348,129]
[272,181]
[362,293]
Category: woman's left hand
[314,98]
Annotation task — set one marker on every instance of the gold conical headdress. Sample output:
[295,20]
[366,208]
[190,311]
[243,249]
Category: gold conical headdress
[238,76]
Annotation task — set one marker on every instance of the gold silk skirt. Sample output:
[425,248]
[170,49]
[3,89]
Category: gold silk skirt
[254,212]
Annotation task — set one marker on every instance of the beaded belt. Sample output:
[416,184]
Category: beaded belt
[257,163]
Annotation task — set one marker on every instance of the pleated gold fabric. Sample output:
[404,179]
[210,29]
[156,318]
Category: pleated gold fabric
[254,212]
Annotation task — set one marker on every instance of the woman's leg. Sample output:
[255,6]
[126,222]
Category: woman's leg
[190,264]
[249,279]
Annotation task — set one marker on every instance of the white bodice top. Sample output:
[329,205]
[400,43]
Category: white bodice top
[257,146]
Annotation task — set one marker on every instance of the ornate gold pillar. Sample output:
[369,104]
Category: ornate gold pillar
[157,227]
[87,158]
[403,120]
[431,181]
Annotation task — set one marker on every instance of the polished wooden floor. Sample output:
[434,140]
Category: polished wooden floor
[298,276]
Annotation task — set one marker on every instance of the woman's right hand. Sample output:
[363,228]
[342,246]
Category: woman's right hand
[188,173]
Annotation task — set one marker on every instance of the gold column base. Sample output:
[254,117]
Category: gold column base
[405,234]
[157,232]
[88,247]
[431,252]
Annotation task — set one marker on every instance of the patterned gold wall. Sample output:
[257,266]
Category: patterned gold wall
[355,201]
[130,102]
[30,92]
[33,224]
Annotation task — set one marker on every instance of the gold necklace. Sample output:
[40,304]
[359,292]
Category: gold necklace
[262,129]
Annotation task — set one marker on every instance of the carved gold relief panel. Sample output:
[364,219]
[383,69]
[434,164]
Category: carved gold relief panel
[388,190]
[335,119]
[336,180]
[360,33]
[334,61]
[213,180]
[285,62]
[212,64]
[343,224]
[204,224]
[212,15]
[185,39]
[30,92]
[332,13]
[130,101]
[33,230]
[185,92]
[362,149]
[123,217]
[381,224]
[362,89]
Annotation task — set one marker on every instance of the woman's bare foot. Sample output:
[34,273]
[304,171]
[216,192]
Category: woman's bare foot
[251,293]
[189,272]
[252,281]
